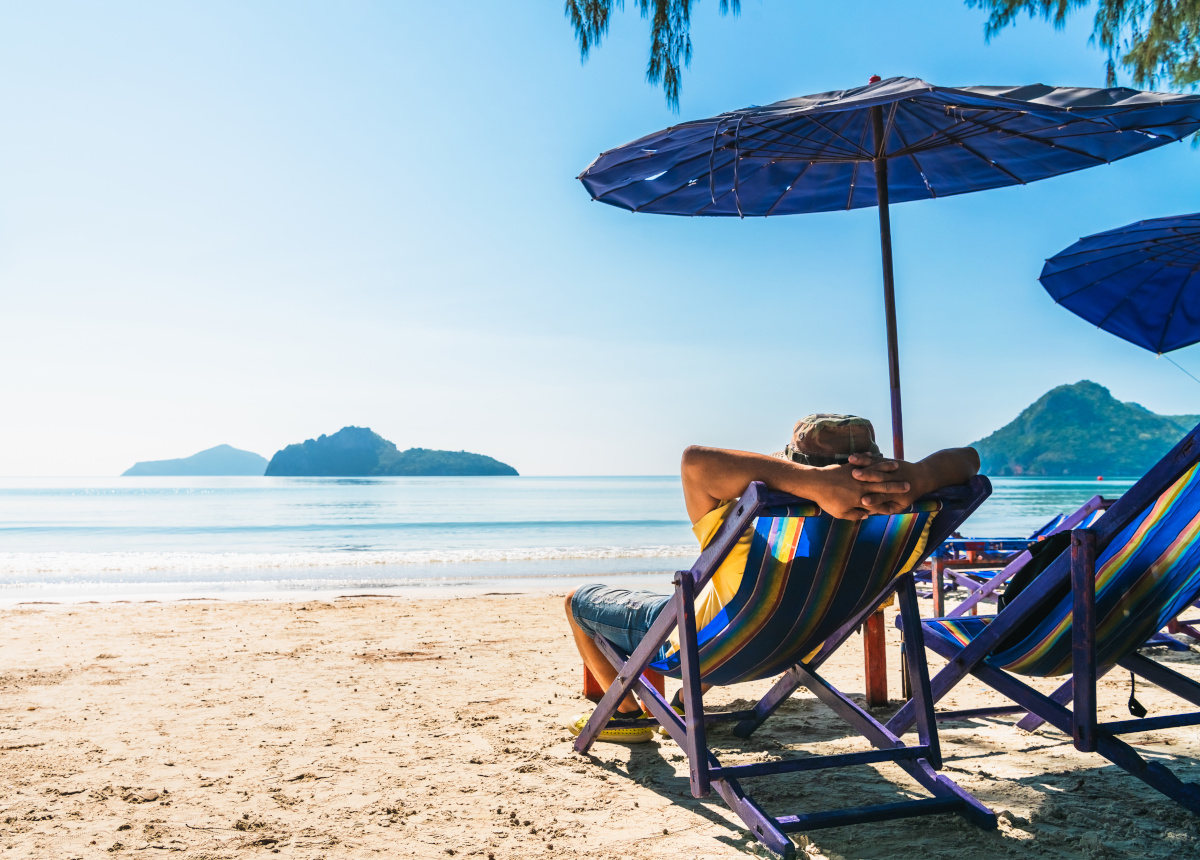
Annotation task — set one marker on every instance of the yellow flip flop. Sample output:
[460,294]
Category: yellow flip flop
[614,735]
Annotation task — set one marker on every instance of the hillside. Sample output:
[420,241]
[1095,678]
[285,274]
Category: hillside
[1081,430]
[221,460]
[359,452]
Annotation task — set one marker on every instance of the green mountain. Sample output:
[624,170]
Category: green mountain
[358,452]
[1081,429]
[221,460]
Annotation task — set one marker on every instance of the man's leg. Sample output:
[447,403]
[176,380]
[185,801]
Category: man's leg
[596,662]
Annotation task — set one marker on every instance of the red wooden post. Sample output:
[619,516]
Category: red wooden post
[875,651]
[594,692]
[591,687]
[935,576]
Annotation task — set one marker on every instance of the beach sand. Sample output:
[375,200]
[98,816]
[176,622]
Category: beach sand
[363,727]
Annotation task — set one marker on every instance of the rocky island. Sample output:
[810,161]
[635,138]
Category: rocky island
[358,452]
[1081,430]
[221,460]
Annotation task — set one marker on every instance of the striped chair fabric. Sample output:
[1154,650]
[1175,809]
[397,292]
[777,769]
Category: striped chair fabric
[806,575]
[1146,576]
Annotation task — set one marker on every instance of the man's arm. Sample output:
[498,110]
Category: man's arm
[944,468]
[713,475]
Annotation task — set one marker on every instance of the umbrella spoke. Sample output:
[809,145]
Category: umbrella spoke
[987,160]
[855,149]
[790,185]
[1093,257]
[854,174]
[938,134]
[1120,247]
[796,149]
[1033,139]
[912,156]
[1096,282]
[981,127]
[1174,307]
[1128,295]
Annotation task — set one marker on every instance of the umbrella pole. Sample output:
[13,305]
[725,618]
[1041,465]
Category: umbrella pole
[889,286]
[874,642]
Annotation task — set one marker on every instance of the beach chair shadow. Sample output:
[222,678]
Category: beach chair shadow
[810,581]
[1086,614]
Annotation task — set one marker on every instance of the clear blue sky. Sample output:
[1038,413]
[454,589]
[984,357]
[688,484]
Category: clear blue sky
[257,222]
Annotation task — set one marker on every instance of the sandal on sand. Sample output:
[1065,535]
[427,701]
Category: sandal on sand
[677,706]
[615,735]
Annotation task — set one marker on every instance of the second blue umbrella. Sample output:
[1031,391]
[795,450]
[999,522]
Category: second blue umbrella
[1140,282]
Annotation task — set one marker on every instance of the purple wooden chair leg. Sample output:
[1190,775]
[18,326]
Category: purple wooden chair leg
[1083,641]
[696,744]
[1061,696]
[918,669]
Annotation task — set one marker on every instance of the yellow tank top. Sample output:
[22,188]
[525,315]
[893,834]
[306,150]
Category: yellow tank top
[724,584]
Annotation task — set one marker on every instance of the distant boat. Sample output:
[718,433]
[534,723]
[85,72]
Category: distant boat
[221,460]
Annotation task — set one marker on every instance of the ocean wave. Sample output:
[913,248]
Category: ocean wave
[23,564]
[336,526]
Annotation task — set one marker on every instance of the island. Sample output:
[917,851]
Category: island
[221,460]
[1081,430]
[358,452]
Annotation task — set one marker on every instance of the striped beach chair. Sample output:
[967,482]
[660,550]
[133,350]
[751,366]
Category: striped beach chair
[810,581]
[1087,613]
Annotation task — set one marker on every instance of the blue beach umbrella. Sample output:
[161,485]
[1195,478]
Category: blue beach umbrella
[890,141]
[1140,282]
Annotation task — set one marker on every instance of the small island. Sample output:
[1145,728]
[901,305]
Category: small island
[358,452]
[1081,430]
[221,460]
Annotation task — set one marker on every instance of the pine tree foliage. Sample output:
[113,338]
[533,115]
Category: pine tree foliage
[1156,41]
[670,39]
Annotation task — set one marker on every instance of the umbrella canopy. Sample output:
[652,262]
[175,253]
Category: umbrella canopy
[1139,282]
[895,140]
[815,153]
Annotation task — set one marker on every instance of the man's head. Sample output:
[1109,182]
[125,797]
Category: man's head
[825,439]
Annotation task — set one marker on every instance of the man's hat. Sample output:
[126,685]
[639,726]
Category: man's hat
[825,439]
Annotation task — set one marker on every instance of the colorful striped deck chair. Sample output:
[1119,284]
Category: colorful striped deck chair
[1088,612]
[809,582]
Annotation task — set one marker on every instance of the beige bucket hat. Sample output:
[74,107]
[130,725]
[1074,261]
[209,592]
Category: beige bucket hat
[825,439]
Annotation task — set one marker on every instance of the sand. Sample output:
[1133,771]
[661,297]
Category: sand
[364,727]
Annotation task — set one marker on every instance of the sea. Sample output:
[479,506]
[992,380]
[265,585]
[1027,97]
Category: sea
[105,539]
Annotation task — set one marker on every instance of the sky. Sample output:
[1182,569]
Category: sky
[254,223]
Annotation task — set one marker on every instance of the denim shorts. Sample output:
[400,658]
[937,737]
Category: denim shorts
[621,616]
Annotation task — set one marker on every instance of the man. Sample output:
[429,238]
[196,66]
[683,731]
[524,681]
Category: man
[831,460]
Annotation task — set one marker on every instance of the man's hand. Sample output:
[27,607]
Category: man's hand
[891,485]
[841,494]
[942,469]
